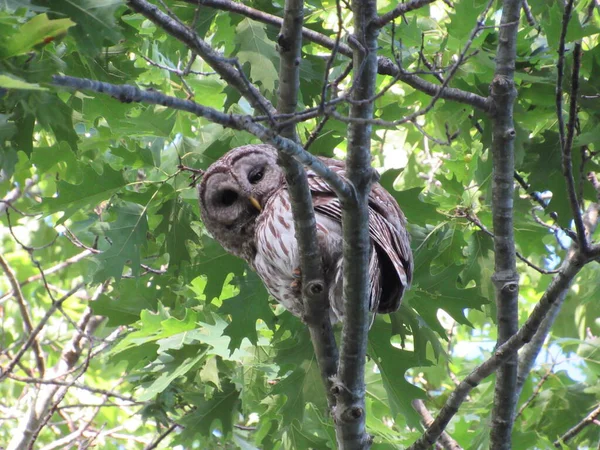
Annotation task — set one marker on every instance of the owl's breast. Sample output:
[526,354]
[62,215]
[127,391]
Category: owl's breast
[277,251]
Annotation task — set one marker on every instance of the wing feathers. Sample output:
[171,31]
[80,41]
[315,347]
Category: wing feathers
[391,263]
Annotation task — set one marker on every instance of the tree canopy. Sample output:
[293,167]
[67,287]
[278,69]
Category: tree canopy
[124,325]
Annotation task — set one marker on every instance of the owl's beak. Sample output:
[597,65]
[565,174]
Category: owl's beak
[255,203]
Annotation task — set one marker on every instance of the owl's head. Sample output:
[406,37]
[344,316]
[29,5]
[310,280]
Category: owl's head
[233,192]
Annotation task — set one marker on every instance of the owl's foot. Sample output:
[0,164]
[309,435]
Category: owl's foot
[296,285]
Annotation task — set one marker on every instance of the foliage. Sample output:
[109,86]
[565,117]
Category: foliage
[191,333]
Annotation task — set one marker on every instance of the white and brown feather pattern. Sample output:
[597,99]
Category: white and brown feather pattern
[228,194]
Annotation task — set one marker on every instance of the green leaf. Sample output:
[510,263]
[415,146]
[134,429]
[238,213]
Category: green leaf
[296,436]
[416,210]
[393,364]
[9,82]
[258,51]
[435,288]
[95,19]
[248,306]
[220,408]
[301,386]
[87,195]
[216,264]
[176,225]
[38,30]
[61,159]
[127,235]
[172,366]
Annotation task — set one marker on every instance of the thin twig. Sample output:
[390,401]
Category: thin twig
[475,220]
[385,65]
[27,324]
[536,391]
[6,371]
[567,164]
[459,60]
[161,437]
[588,420]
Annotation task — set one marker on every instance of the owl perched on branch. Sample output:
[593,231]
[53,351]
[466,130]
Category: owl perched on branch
[245,205]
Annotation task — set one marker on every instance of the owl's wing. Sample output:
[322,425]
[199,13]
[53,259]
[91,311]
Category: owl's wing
[386,228]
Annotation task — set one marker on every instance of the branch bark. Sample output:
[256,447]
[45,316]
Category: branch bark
[529,353]
[350,384]
[385,66]
[314,293]
[127,93]
[445,439]
[398,11]
[559,284]
[505,277]
[67,262]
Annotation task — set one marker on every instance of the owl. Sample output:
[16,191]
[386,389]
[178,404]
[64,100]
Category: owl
[245,205]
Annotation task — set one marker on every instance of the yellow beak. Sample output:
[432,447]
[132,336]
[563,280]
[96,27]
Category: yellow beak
[255,203]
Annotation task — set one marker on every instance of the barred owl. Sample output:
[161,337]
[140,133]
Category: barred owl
[245,206]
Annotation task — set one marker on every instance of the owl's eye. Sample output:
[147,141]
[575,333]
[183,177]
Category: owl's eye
[256,175]
[228,197]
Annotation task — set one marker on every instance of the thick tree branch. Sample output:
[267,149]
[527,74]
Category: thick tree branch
[559,284]
[314,293]
[445,439]
[223,66]
[505,277]
[128,93]
[385,66]
[530,352]
[350,383]
[439,93]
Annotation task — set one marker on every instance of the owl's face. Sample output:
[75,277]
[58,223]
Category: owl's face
[233,192]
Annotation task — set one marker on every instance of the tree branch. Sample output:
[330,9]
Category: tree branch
[350,384]
[67,262]
[43,399]
[589,419]
[560,283]
[567,162]
[439,93]
[27,324]
[505,277]
[445,439]
[385,66]
[127,93]
[530,352]
[398,11]
[316,304]
[224,67]
[5,371]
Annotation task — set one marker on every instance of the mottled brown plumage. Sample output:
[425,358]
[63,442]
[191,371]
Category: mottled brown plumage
[245,206]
